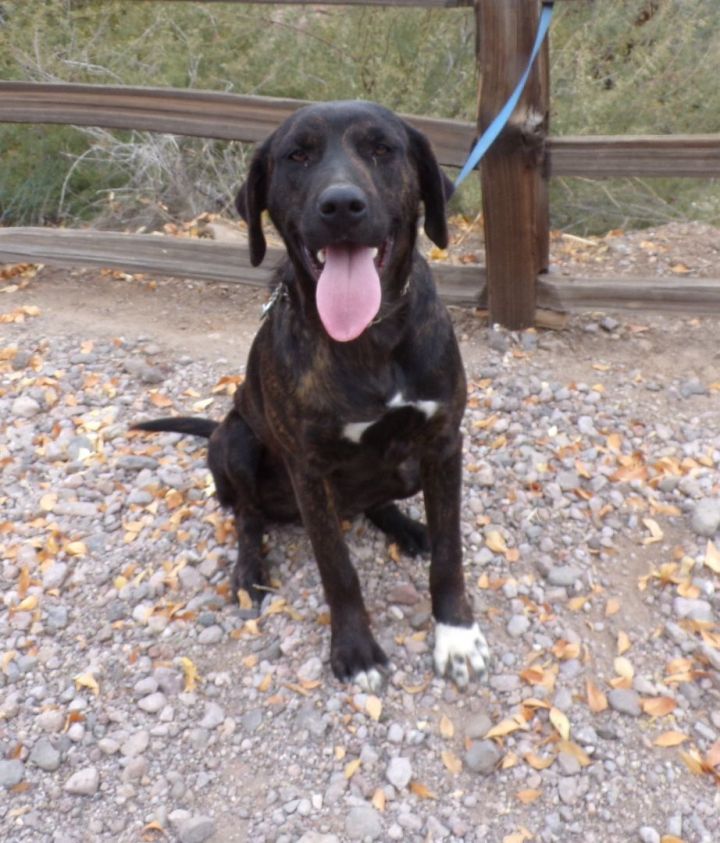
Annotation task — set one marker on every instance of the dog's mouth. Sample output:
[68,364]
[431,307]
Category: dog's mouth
[348,292]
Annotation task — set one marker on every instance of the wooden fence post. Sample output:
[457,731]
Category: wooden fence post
[514,188]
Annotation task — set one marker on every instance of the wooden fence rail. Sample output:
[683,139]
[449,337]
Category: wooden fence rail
[515,174]
[249,119]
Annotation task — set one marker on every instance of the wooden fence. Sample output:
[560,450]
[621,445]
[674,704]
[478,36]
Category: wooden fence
[514,284]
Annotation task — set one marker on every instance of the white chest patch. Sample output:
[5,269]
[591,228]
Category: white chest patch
[354,430]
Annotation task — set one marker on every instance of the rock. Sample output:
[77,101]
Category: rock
[25,407]
[211,635]
[363,821]
[706,517]
[51,721]
[477,725]
[153,703]
[568,790]
[213,717]
[395,733]
[399,772]
[44,755]
[317,837]
[136,744]
[55,575]
[310,670]
[696,610]
[12,772]
[404,594]
[647,834]
[483,757]
[83,783]
[196,829]
[568,763]
[518,625]
[564,575]
[625,700]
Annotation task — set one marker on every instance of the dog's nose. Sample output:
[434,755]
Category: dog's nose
[342,204]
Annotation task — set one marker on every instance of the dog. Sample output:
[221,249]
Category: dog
[355,387]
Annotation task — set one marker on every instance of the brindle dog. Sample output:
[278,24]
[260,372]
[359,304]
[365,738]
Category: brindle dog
[355,388]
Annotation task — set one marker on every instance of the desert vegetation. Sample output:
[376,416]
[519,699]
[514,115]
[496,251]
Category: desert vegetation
[641,66]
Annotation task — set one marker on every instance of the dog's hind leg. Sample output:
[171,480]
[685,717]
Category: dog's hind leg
[411,536]
[233,458]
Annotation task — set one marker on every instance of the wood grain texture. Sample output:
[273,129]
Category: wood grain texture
[511,171]
[250,119]
[180,257]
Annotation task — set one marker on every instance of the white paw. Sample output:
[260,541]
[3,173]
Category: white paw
[369,680]
[458,646]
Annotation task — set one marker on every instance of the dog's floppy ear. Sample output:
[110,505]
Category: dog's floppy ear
[435,187]
[251,200]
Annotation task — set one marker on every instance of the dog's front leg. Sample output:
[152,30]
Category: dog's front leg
[458,639]
[354,654]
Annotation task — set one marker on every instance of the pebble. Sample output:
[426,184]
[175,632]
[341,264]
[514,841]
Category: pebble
[25,407]
[518,625]
[363,822]
[399,772]
[706,517]
[153,703]
[543,473]
[196,829]
[11,772]
[482,757]
[211,635]
[84,782]
[647,834]
[136,744]
[45,755]
[213,717]
[625,700]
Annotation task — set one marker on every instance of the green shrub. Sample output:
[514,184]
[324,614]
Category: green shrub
[632,67]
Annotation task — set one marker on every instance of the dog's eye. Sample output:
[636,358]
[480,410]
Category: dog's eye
[380,150]
[299,156]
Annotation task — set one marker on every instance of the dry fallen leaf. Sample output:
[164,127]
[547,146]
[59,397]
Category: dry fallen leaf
[373,706]
[420,790]
[244,599]
[577,752]
[656,534]
[378,800]
[447,728]
[192,677]
[528,796]
[451,761]
[506,727]
[537,762]
[87,680]
[612,607]
[623,667]
[597,701]
[658,706]
[560,722]
[671,738]
[623,643]
[712,557]
[352,767]
[495,542]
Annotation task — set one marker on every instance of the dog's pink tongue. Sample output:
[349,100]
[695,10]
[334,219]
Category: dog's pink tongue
[348,291]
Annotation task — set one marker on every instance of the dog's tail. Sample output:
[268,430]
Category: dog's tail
[193,425]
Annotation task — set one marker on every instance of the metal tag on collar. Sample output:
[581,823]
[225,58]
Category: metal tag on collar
[277,293]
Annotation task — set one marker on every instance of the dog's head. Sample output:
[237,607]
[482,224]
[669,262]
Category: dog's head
[343,183]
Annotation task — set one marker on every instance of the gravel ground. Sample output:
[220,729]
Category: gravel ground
[137,703]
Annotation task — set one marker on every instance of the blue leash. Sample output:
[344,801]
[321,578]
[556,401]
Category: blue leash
[498,124]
